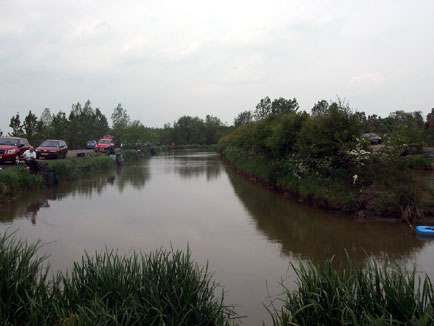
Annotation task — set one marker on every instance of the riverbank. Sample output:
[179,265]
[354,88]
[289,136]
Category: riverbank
[392,199]
[15,180]
[323,161]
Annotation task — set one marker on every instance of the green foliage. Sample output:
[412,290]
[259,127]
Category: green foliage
[243,118]
[16,126]
[17,178]
[76,166]
[284,136]
[33,129]
[284,106]
[85,124]
[161,288]
[371,295]
[329,134]
[263,109]
[24,292]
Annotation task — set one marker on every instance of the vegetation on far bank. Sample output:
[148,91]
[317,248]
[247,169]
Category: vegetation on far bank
[16,179]
[324,159]
[168,288]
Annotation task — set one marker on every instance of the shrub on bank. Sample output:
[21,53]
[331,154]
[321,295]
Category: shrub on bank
[324,160]
[15,178]
[75,166]
[161,288]
[370,295]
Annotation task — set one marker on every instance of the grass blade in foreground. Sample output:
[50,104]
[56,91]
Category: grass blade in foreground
[371,295]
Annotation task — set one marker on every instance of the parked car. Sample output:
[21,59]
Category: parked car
[91,144]
[373,138]
[104,145]
[12,149]
[52,149]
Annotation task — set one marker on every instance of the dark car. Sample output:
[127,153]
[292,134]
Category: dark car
[91,144]
[373,138]
[52,149]
[12,149]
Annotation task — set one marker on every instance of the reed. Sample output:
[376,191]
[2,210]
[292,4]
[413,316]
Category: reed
[160,288]
[370,295]
[23,282]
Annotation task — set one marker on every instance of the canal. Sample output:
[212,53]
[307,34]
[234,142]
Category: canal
[248,234]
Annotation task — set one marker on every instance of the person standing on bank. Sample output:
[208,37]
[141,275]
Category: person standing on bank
[30,159]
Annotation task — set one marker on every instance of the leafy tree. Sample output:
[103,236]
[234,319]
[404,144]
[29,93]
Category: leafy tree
[189,130]
[282,106]
[46,117]
[101,126]
[284,137]
[430,118]
[243,118]
[263,109]
[1,133]
[121,121]
[16,126]
[60,128]
[120,118]
[320,108]
[33,129]
[213,127]
[328,136]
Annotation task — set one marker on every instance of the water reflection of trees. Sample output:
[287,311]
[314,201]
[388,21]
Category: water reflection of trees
[29,204]
[135,175]
[188,165]
[308,232]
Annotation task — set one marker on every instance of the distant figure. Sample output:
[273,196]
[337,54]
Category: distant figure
[111,151]
[30,159]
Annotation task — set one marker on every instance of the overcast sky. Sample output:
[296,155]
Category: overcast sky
[164,59]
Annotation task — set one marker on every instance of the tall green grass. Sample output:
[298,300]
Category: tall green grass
[24,291]
[16,178]
[370,295]
[160,288]
[76,166]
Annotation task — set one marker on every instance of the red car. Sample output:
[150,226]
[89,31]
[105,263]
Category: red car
[104,144]
[12,149]
[52,149]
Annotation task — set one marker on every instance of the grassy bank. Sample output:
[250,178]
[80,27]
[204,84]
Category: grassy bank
[369,295]
[159,288]
[324,161]
[16,179]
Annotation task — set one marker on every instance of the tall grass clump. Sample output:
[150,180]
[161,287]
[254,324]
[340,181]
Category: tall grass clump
[24,293]
[370,295]
[16,178]
[160,288]
[74,167]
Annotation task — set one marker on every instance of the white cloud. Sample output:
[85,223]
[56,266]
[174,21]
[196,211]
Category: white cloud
[163,55]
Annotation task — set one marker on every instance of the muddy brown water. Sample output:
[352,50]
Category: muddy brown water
[249,235]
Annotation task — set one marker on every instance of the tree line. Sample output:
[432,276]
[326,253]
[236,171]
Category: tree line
[84,123]
[404,127]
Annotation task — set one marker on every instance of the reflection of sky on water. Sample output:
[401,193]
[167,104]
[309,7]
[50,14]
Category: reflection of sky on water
[248,234]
